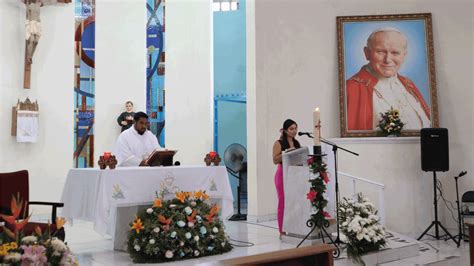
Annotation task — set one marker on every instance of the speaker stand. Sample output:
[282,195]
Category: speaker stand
[436,223]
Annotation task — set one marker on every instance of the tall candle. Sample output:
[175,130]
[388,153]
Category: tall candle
[316,123]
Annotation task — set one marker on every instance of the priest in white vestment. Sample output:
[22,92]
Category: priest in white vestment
[136,143]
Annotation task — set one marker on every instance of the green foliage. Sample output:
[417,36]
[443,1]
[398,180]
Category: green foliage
[318,179]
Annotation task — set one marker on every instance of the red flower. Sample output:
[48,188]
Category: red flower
[325,177]
[326,214]
[311,195]
[310,160]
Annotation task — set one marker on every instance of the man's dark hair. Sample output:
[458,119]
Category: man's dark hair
[139,115]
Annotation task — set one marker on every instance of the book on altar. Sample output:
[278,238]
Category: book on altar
[160,157]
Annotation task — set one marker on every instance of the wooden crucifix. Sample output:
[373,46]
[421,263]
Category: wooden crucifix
[33,32]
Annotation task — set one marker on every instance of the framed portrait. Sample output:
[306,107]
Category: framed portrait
[386,62]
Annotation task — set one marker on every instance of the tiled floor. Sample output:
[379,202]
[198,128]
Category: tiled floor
[93,249]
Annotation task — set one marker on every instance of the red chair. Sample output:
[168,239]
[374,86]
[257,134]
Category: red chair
[12,184]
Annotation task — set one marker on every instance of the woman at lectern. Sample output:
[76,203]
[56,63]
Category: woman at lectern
[286,142]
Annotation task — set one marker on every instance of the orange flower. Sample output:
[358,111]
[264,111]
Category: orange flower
[214,209]
[137,225]
[205,196]
[212,213]
[60,221]
[8,218]
[20,225]
[157,203]
[16,206]
[180,196]
[209,217]
[162,219]
[198,194]
[192,216]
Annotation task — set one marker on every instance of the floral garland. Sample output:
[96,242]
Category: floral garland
[360,228]
[318,179]
[184,227]
[390,123]
[41,248]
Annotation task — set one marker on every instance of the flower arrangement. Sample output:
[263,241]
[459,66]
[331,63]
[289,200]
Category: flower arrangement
[390,123]
[184,227]
[360,228]
[318,179]
[41,248]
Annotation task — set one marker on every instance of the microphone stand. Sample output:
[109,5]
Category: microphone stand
[461,231]
[335,147]
[461,235]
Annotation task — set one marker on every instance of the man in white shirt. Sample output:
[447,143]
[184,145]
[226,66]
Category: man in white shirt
[136,143]
[378,86]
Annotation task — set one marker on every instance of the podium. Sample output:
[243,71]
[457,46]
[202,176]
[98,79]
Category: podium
[296,186]
[297,207]
[161,158]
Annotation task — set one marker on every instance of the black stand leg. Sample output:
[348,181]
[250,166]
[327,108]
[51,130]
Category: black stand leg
[322,232]
[460,234]
[334,149]
[238,216]
[436,223]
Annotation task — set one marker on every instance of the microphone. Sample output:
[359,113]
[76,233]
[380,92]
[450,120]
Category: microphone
[305,133]
[462,173]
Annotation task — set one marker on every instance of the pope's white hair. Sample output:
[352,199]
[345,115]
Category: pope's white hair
[386,29]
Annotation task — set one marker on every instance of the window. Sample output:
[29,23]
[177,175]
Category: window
[225,5]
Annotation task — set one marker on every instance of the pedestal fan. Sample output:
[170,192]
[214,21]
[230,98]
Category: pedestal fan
[235,160]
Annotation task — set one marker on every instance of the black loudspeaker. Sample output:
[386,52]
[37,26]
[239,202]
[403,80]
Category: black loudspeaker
[434,149]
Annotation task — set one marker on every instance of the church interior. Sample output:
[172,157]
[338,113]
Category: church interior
[375,166]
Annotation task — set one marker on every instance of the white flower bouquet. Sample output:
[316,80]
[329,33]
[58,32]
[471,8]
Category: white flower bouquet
[360,227]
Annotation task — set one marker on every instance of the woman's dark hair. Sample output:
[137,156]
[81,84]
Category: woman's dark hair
[284,137]
[129,102]
[139,115]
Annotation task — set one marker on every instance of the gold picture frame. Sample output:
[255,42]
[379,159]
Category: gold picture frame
[360,72]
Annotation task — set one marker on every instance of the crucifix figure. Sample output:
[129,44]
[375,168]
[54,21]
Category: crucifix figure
[33,32]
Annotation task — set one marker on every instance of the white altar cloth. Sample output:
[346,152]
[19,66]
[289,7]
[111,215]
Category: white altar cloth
[92,194]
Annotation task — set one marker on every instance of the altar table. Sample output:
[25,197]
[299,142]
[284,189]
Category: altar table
[92,194]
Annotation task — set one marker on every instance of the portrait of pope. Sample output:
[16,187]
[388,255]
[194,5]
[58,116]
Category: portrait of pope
[386,66]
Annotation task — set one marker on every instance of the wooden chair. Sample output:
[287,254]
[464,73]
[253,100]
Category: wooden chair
[14,183]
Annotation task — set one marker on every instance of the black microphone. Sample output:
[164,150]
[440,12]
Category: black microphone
[462,173]
[305,133]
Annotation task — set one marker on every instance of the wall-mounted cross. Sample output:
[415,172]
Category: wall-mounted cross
[33,32]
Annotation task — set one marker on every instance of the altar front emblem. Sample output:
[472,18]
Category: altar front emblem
[117,192]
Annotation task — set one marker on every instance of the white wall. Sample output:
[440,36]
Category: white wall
[52,78]
[295,61]
[120,66]
[189,79]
